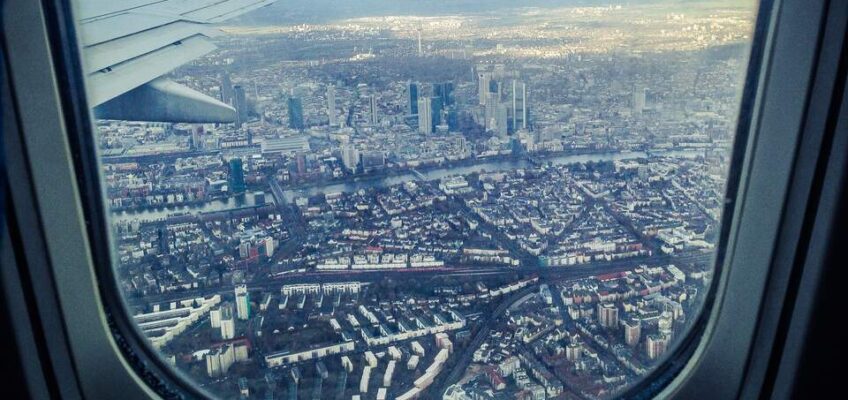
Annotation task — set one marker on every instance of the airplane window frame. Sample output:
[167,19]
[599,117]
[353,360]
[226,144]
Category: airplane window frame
[74,247]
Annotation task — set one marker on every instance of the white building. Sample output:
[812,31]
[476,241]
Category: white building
[242,302]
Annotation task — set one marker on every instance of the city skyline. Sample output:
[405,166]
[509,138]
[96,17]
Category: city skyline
[497,204]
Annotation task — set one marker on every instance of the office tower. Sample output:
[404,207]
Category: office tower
[242,302]
[444,90]
[350,157]
[632,332]
[228,324]
[412,105]
[236,178]
[331,105]
[436,107]
[484,81]
[501,124]
[295,107]
[519,105]
[490,110]
[452,119]
[425,116]
[638,100]
[372,110]
[226,88]
[420,48]
[240,104]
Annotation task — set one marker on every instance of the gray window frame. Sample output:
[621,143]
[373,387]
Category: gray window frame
[97,356]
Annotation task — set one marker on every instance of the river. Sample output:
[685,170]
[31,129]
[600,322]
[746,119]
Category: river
[248,200]
[487,166]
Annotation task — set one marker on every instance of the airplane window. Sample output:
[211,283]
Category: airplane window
[398,199]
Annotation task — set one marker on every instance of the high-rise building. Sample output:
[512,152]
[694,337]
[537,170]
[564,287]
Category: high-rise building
[350,157]
[632,331]
[444,90]
[502,120]
[240,104]
[215,318]
[295,108]
[425,115]
[412,105]
[242,302]
[608,315]
[656,345]
[228,323]
[197,137]
[331,105]
[484,80]
[372,110]
[638,100]
[236,177]
[519,105]
[665,324]
[226,88]
[436,108]
[490,110]
[270,246]
[420,48]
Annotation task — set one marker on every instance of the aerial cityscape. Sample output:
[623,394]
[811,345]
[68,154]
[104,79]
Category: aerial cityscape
[482,203]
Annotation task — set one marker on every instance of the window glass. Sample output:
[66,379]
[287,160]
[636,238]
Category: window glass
[400,199]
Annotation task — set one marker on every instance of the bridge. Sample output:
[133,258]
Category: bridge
[418,174]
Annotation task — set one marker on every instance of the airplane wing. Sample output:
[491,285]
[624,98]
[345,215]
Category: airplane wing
[128,45]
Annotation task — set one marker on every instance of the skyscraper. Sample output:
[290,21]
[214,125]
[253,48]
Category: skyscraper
[236,178]
[444,90]
[436,107]
[420,48]
[331,105]
[240,104]
[425,115]
[519,105]
[484,80]
[372,110]
[491,111]
[242,302]
[501,126]
[226,88]
[412,105]
[295,108]
[638,100]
